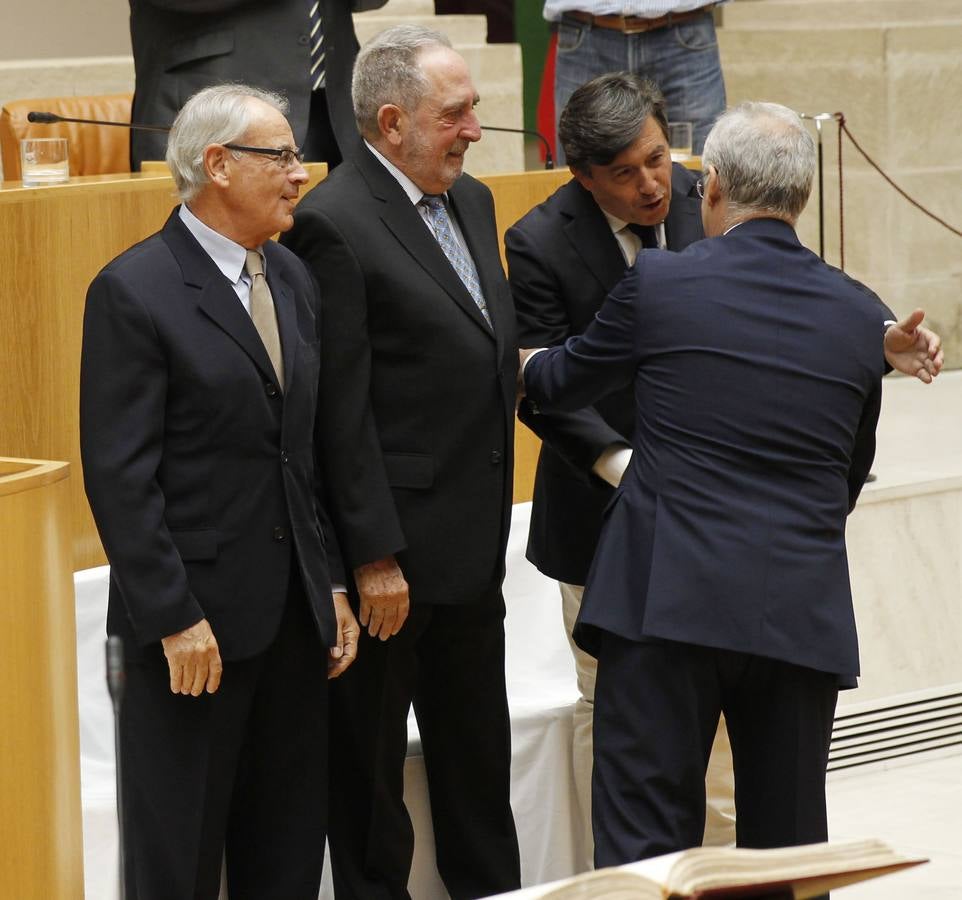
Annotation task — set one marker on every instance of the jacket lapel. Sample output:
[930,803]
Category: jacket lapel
[590,236]
[412,233]
[216,298]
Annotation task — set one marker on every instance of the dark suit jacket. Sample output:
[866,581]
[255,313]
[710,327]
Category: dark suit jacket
[199,471]
[562,262]
[417,390]
[757,376]
[181,46]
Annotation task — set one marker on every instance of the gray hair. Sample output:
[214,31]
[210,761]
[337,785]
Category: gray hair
[386,71]
[216,115]
[764,157]
[605,116]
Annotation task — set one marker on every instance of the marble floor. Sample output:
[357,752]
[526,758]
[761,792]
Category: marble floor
[915,805]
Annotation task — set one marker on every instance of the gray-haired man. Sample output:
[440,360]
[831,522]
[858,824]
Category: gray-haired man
[720,583]
[418,375]
[199,380]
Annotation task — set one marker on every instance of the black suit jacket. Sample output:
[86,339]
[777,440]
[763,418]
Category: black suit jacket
[757,380]
[181,46]
[199,471]
[417,390]
[562,262]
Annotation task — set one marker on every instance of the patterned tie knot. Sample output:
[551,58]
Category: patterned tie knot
[434,202]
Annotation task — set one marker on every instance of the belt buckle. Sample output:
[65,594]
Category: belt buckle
[642,26]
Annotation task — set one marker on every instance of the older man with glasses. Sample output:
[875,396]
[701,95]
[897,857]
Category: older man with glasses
[199,381]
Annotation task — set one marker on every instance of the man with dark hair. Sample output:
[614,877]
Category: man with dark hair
[563,258]
[198,391]
[418,382]
[720,581]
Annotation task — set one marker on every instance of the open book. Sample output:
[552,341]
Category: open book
[706,873]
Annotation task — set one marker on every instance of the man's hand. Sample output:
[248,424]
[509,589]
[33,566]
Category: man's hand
[344,652]
[194,660]
[914,350]
[384,597]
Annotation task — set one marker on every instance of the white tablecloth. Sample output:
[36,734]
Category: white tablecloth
[541,691]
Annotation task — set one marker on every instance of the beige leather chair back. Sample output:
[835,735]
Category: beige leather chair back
[93,149]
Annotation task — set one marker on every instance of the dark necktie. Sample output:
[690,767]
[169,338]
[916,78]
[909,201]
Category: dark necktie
[649,239]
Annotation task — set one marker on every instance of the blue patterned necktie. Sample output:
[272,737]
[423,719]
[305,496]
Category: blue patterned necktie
[463,264]
[317,45]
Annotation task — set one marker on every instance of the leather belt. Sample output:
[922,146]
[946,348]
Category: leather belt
[636,24]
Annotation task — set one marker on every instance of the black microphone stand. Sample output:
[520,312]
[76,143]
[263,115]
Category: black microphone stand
[49,118]
[548,158]
[115,686]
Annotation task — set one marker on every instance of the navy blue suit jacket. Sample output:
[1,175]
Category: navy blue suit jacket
[757,377]
[562,262]
[199,471]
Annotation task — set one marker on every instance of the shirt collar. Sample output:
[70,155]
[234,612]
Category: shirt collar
[415,194]
[228,256]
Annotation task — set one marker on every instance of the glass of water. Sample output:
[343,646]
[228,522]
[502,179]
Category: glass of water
[679,140]
[44,161]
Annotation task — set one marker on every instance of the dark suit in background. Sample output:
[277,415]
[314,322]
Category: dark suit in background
[419,392]
[181,46]
[721,580]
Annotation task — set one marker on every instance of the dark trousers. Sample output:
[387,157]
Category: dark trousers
[448,661]
[656,711]
[242,772]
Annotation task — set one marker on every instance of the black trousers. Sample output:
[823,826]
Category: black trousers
[448,661]
[656,711]
[242,772]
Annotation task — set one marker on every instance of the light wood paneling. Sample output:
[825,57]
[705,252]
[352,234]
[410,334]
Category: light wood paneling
[41,843]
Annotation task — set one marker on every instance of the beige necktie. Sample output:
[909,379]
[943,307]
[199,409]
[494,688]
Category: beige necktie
[263,314]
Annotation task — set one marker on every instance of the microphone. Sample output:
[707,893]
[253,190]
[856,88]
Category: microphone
[548,158]
[49,118]
[116,680]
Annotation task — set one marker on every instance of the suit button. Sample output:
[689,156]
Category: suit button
[271,388]
[280,534]
[495,457]
[284,456]
[303,39]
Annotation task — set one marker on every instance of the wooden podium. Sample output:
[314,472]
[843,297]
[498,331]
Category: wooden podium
[41,838]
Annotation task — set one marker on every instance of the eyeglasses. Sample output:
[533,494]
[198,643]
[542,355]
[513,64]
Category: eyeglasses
[285,158]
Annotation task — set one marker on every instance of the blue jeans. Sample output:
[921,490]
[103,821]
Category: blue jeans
[681,59]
